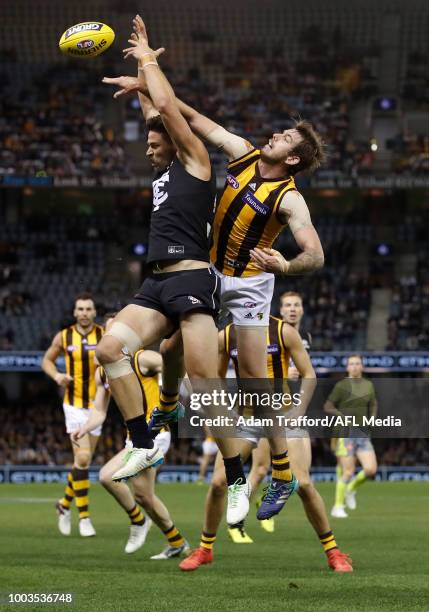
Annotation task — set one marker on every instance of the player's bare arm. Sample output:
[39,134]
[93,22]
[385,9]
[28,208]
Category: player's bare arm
[373,408]
[49,359]
[330,408]
[191,150]
[98,412]
[293,211]
[232,145]
[150,362]
[302,361]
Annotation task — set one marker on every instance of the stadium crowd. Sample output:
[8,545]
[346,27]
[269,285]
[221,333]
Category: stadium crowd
[37,437]
[57,124]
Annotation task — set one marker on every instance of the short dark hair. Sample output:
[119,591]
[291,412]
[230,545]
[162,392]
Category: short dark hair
[84,296]
[311,149]
[290,294]
[155,124]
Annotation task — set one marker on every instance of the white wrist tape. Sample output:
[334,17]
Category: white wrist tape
[126,336]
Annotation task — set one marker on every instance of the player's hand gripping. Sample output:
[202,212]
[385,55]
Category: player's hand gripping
[63,380]
[269,260]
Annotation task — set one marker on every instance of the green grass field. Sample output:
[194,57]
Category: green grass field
[387,537]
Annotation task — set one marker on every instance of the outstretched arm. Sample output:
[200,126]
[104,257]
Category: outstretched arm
[233,146]
[191,150]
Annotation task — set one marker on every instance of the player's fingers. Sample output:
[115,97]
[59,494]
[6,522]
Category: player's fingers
[111,80]
[133,42]
[159,51]
[119,93]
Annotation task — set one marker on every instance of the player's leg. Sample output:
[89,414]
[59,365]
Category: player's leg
[173,369]
[214,506]
[346,458]
[206,459]
[200,343]
[261,463]
[139,524]
[300,459]
[135,326]
[82,455]
[368,460]
[252,363]
[144,492]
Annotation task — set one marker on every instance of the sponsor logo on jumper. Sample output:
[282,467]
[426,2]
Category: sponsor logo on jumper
[159,193]
[248,316]
[71,348]
[85,44]
[250,304]
[233,353]
[272,348]
[252,186]
[260,316]
[176,249]
[254,203]
[232,181]
[90,347]
[194,300]
[83,27]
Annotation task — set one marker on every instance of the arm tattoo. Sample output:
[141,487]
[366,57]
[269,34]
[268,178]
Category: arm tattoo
[306,262]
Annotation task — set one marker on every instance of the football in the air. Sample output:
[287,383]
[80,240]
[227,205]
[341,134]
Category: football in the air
[87,39]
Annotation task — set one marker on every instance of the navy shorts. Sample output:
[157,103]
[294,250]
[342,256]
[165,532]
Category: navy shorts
[176,293]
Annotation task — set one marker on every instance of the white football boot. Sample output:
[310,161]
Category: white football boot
[137,536]
[339,512]
[86,528]
[351,500]
[64,519]
[137,460]
[238,502]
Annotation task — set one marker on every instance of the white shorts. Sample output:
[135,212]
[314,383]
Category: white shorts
[76,417]
[247,299]
[162,440]
[210,447]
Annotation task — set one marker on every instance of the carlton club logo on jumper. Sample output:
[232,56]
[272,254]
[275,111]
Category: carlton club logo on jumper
[254,203]
[159,194]
[83,27]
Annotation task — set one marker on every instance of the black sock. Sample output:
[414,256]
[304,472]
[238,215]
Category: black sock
[139,433]
[234,470]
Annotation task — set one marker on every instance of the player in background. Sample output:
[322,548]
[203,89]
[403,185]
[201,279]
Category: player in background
[210,450]
[285,344]
[148,366]
[354,395]
[292,312]
[77,343]
[182,291]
